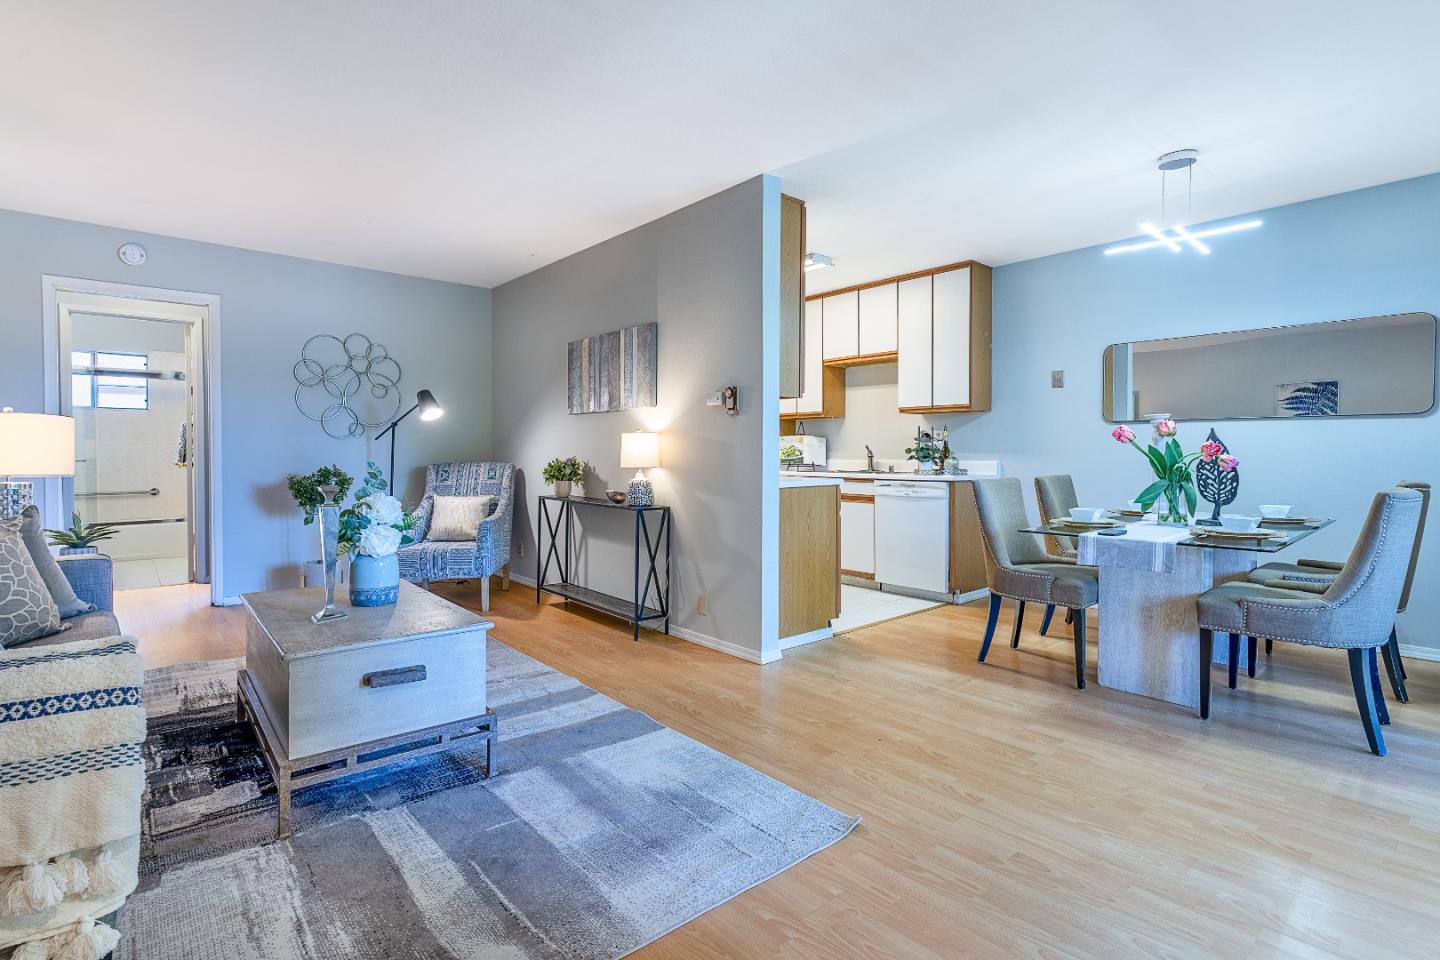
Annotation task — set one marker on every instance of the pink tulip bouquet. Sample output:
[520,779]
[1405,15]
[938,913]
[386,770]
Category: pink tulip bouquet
[1173,479]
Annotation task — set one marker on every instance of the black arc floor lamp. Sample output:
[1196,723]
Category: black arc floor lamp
[429,409]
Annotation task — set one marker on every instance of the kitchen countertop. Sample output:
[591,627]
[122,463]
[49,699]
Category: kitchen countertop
[788,480]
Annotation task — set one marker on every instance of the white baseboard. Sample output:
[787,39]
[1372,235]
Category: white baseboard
[723,646]
[980,594]
[704,640]
[1419,653]
[800,639]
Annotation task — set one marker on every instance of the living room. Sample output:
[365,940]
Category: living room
[429,588]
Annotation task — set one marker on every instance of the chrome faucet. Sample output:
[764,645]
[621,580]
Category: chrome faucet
[869,459]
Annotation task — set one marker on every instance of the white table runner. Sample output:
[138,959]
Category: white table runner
[1145,545]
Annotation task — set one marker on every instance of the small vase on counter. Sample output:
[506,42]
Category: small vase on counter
[562,488]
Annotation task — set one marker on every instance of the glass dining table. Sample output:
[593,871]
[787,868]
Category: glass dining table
[1150,577]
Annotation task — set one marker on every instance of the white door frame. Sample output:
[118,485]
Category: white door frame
[208,356]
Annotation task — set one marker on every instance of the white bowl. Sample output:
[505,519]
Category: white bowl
[1086,514]
[1238,523]
[1274,511]
[1135,505]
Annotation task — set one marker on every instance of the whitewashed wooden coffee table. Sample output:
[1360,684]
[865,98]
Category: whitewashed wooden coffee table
[384,684]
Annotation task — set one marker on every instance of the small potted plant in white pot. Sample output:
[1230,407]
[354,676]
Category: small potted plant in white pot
[562,473]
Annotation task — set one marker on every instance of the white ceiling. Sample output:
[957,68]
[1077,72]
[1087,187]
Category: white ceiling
[476,141]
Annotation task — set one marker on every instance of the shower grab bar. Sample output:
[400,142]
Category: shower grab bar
[123,372]
[152,492]
[139,523]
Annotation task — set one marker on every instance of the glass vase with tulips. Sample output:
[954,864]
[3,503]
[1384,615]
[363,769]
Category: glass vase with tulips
[1173,477]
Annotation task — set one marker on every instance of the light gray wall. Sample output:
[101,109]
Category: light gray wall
[708,275]
[1357,254]
[439,332]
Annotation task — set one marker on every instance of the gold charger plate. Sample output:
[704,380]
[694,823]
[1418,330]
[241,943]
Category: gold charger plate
[1127,513]
[1086,524]
[1233,534]
[1291,521]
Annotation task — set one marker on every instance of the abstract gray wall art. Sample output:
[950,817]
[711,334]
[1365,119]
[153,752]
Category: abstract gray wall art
[613,371]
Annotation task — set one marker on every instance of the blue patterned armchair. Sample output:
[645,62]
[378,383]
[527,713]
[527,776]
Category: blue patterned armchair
[427,560]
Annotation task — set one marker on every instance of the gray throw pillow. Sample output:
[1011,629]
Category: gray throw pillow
[27,611]
[55,580]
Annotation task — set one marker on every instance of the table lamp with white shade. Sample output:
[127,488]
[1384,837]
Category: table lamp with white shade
[639,449]
[32,445]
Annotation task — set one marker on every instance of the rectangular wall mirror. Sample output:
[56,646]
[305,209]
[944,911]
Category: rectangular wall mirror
[1343,368]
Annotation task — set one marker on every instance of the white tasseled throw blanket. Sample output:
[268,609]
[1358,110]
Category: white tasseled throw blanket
[71,776]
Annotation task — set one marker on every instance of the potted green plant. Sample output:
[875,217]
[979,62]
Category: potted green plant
[82,536]
[562,473]
[928,452]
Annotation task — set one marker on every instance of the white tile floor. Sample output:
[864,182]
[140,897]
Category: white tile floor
[860,607]
[153,572]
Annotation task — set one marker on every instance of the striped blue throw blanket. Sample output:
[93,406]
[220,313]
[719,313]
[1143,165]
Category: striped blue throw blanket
[71,776]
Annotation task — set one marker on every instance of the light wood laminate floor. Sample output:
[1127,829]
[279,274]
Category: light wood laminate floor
[1007,814]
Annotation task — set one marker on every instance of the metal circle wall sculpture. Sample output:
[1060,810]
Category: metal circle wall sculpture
[348,385]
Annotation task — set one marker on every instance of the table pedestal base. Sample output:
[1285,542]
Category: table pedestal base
[1149,635]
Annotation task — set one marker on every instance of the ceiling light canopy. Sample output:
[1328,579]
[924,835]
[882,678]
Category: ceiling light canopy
[1180,232]
[817,261]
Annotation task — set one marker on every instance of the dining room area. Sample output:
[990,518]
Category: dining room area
[1198,583]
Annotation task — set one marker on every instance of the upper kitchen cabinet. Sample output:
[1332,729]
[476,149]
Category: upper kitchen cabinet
[792,300]
[878,319]
[944,340]
[824,390]
[841,320]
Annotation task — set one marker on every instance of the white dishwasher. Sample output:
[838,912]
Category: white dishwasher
[912,534]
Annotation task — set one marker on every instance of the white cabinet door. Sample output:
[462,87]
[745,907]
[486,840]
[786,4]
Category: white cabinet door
[952,338]
[812,399]
[857,536]
[915,378]
[788,407]
[842,325]
[877,319]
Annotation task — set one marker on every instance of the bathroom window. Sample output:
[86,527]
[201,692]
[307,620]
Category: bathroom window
[97,380]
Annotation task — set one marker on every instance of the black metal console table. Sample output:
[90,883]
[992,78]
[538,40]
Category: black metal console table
[634,610]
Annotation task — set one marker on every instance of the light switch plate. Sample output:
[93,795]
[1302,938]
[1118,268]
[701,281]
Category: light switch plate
[714,399]
[1057,379]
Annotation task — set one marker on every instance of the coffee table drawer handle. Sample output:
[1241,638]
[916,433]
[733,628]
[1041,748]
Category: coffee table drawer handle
[390,678]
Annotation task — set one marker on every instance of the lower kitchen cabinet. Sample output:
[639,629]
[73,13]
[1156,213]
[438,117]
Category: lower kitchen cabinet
[857,535]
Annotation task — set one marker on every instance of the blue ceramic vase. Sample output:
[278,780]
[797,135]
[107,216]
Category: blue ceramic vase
[374,581]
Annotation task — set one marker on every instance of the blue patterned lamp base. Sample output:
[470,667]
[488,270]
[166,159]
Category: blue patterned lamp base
[639,493]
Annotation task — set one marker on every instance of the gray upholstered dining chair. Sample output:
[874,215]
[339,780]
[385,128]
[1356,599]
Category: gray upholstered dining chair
[483,557]
[1017,566]
[1325,571]
[1354,612]
[1055,495]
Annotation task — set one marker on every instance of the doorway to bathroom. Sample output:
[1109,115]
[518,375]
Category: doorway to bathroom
[130,366]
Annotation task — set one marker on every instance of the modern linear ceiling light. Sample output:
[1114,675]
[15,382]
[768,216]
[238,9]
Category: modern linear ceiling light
[817,261]
[1181,231]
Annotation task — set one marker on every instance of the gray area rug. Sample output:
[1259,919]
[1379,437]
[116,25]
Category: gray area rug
[601,831]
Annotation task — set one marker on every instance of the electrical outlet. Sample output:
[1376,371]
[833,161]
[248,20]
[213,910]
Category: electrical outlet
[702,605]
[1057,379]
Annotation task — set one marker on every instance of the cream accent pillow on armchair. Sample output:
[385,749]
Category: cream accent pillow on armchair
[457,518]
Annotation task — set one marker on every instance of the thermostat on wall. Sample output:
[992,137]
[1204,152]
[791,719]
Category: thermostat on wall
[131,253]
